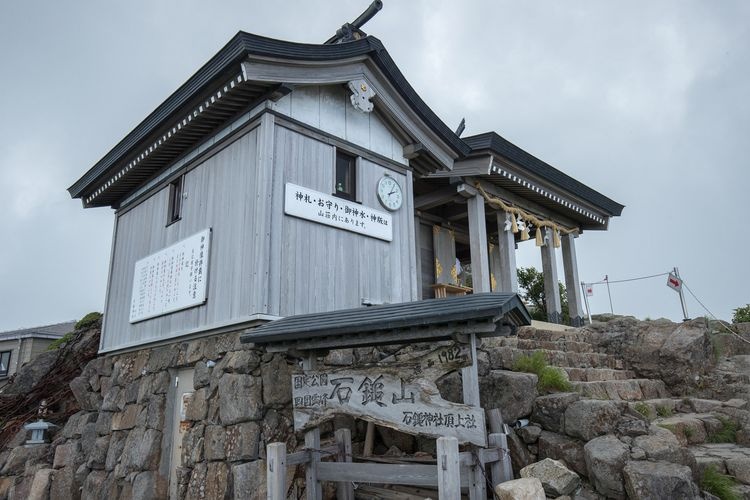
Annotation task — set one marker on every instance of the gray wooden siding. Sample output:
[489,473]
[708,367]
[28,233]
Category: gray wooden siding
[323,268]
[328,108]
[225,193]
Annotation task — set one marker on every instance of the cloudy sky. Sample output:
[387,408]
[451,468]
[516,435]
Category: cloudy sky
[647,102]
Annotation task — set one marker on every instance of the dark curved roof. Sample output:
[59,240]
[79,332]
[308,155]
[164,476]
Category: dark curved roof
[427,314]
[228,60]
[497,144]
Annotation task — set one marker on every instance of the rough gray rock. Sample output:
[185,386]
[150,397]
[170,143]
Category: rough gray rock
[240,398]
[141,450]
[549,411]
[521,489]
[249,480]
[590,418]
[530,434]
[661,444]
[215,441]
[659,480]
[277,388]
[242,441]
[39,489]
[605,458]
[145,486]
[557,480]
[513,392]
[740,468]
[560,447]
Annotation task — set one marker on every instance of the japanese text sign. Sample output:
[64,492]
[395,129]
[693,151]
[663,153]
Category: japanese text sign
[337,212]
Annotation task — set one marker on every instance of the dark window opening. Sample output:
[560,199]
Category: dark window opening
[346,176]
[175,200]
[4,363]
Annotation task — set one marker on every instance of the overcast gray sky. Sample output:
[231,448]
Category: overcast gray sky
[646,102]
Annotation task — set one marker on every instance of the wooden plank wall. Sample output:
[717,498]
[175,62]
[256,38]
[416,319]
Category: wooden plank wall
[225,193]
[324,268]
[328,108]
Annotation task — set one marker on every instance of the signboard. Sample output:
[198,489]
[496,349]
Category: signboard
[589,290]
[171,279]
[333,211]
[402,396]
[674,282]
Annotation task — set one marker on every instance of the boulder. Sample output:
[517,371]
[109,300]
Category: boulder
[141,450]
[514,392]
[249,480]
[557,480]
[661,444]
[217,480]
[215,442]
[242,441]
[68,454]
[739,468]
[530,434]
[146,486]
[277,388]
[560,447]
[605,457]
[590,418]
[659,480]
[549,410]
[519,453]
[64,485]
[529,488]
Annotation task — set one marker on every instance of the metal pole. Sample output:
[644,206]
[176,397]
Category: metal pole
[611,310]
[586,301]
[682,297]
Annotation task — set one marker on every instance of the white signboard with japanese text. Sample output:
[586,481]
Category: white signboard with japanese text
[402,396]
[171,279]
[337,212]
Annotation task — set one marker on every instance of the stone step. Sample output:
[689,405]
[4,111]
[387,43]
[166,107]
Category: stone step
[622,390]
[549,345]
[726,458]
[504,357]
[596,374]
[553,335]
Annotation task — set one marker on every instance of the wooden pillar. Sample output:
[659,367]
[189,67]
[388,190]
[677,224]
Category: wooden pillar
[344,490]
[276,471]
[572,284]
[449,471]
[313,487]
[507,275]
[480,264]
[551,287]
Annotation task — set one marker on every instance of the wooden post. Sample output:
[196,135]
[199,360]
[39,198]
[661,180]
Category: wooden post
[498,439]
[369,439]
[551,287]
[470,382]
[276,471]
[449,472]
[344,489]
[312,442]
[507,281]
[570,268]
[480,264]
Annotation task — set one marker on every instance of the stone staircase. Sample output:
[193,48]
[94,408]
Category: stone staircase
[595,375]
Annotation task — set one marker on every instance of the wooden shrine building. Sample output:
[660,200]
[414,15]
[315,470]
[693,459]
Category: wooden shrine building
[286,178]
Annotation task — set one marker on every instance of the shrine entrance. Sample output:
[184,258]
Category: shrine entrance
[398,392]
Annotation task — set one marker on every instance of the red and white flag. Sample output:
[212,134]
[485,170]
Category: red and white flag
[589,290]
[674,282]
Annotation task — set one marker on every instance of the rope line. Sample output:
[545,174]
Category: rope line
[713,316]
[628,279]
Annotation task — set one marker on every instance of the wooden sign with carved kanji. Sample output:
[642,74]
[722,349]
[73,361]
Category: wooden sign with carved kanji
[401,395]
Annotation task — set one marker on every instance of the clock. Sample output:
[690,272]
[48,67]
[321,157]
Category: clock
[389,193]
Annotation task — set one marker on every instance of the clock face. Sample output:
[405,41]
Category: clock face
[389,193]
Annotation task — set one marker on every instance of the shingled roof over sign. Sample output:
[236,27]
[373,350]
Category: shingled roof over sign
[423,320]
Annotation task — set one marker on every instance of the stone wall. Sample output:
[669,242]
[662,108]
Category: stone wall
[119,444]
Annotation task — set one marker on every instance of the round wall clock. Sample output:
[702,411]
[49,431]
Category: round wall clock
[389,193]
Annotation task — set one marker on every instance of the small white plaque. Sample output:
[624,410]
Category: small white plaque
[333,211]
[171,279]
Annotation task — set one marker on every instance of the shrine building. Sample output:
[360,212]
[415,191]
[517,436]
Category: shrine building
[286,178]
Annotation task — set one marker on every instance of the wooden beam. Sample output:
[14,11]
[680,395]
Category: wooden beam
[411,151]
[435,198]
[409,474]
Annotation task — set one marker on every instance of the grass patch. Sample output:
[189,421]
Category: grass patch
[664,411]
[531,364]
[55,344]
[88,320]
[549,378]
[643,409]
[727,433]
[553,379]
[688,432]
[670,427]
[718,484]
